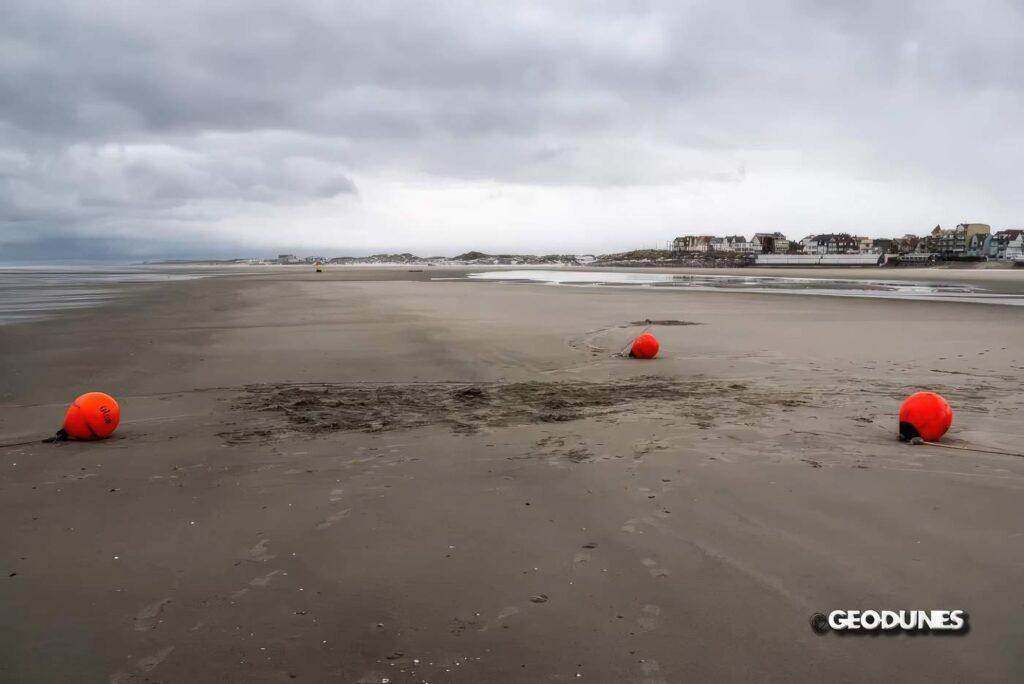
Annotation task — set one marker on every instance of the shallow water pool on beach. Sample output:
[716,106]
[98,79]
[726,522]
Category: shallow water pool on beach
[834,287]
[35,292]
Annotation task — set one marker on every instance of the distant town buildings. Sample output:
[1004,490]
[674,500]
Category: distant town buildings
[831,243]
[761,243]
[965,241]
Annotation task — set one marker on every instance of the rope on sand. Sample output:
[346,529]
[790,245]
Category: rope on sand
[918,440]
[17,444]
[966,448]
[629,344]
[59,438]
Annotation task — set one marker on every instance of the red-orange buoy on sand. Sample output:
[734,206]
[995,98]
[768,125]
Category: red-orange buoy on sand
[93,415]
[926,415]
[644,347]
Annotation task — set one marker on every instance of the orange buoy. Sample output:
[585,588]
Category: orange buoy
[926,415]
[93,415]
[644,347]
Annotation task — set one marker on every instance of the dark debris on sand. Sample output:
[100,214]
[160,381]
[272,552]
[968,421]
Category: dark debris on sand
[466,407]
[664,322]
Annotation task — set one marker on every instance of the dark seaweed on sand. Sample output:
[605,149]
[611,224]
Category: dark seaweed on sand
[466,407]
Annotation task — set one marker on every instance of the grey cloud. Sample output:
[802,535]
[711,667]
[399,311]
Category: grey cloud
[160,177]
[190,110]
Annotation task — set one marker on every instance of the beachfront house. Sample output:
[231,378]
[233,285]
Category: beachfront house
[288,259]
[885,246]
[959,242]
[907,244]
[830,243]
[841,243]
[692,243]
[732,243]
[865,245]
[1002,241]
[769,243]
[1015,247]
[978,246]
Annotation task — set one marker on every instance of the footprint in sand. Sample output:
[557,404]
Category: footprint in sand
[633,525]
[142,665]
[259,551]
[333,518]
[507,612]
[648,619]
[503,614]
[261,581]
[149,662]
[337,495]
[146,618]
[581,557]
[653,567]
[264,580]
[651,671]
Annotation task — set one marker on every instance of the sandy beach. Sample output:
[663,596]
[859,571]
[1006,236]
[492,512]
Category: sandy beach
[367,475]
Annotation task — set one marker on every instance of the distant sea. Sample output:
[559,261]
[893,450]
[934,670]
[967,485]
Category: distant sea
[41,290]
[831,287]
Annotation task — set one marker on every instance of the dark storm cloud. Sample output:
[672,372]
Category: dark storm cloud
[187,112]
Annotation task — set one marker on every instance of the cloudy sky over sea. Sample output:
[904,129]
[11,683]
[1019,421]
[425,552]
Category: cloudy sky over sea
[245,127]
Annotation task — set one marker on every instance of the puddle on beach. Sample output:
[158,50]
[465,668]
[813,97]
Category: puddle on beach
[834,287]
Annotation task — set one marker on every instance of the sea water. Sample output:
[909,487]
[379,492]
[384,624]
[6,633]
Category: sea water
[33,292]
[835,287]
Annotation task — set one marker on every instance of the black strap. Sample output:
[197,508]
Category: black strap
[61,436]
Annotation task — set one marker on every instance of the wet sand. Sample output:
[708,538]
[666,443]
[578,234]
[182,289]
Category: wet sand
[366,475]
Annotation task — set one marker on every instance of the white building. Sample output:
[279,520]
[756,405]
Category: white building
[692,243]
[1015,248]
[809,245]
[729,243]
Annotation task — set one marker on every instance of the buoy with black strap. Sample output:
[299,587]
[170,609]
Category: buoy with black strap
[92,416]
[924,415]
[644,346]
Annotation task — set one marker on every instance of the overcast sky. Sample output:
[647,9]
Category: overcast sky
[242,127]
